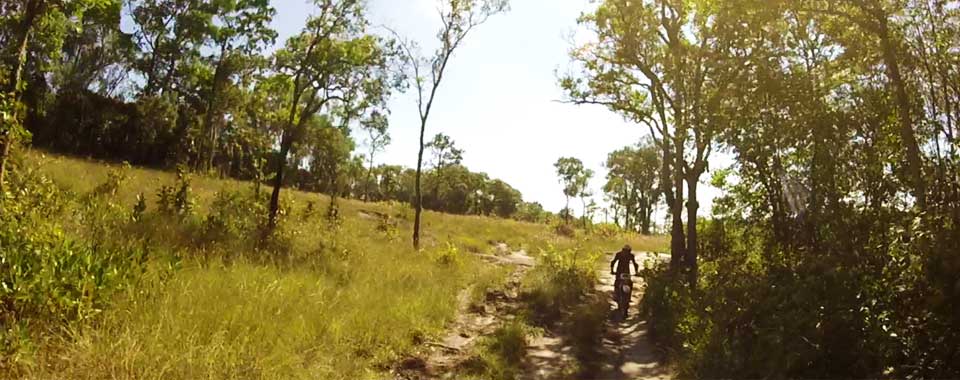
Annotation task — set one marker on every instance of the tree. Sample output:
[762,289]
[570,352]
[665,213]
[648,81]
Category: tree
[445,153]
[377,139]
[333,66]
[506,199]
[584,194]
[458,18]
[660,63]
[531,212]
[241,29]
[875,19]
[632,184]
[574,178]
[41,20]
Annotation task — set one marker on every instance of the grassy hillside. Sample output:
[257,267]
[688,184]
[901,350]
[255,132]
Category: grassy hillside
[207,298]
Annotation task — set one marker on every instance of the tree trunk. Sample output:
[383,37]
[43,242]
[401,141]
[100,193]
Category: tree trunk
[418,197]
[907,134]
[583,216]
[369,186]
[646,210]
[677,239]
[285,145]
[690,259]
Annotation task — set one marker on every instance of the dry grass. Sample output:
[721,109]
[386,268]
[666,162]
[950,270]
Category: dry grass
[355,298]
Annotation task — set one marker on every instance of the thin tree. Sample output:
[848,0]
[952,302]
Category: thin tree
[459,17]
[574,178]
[377,139]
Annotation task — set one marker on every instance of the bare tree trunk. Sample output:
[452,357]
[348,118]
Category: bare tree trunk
[418,197]
[691,253]
[583,216]
[285,145]
[369,186]
[677,239]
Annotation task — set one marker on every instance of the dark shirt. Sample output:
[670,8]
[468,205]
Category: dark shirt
[623,260]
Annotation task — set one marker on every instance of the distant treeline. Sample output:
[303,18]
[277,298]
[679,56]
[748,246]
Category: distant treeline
[88,124]
[189,83]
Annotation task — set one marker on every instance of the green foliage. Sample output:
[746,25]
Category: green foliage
[115,179]
[139,208]
[176,200]
[561,280]
[763,311]
[606,230]
[234,216]
[47,277]
[585,329]
[565,230]
[633,185]
[448,256]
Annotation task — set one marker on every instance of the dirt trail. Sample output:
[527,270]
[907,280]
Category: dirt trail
[441,358]
[627,351]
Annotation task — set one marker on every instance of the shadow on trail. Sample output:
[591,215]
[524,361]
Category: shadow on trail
[626,351]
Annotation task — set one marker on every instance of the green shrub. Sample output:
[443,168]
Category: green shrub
[234,216]
[176,200]
[46,277]
[606,230]
[565,229]
[139,208]
[115,179]
[449,255]
[560,280]
[770,311]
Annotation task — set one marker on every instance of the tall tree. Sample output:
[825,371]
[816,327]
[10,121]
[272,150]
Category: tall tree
[658,63]
[876,19]
[458,18]
[334,65]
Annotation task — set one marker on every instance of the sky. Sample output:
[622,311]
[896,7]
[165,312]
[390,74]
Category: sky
[499,99]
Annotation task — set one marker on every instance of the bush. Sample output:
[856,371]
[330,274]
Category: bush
[772,311]
[560,280]
[234,216]
[565,229]
[606,230]
[175,200]
[46,277]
